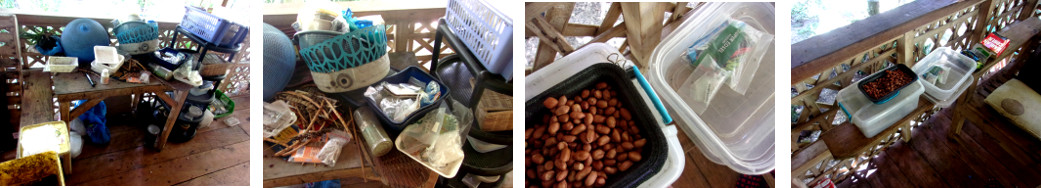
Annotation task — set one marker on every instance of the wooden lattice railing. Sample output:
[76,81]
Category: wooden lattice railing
[823,65]
[235,83]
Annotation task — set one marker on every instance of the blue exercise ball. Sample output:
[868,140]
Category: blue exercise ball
[80,37]
[279,61]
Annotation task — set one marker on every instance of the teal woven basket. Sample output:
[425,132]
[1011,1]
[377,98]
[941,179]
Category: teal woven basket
[135,32]
[137,37]
[346,51]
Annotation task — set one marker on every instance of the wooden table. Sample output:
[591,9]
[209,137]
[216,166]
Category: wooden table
[74,86]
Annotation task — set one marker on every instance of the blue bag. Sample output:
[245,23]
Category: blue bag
[94,120]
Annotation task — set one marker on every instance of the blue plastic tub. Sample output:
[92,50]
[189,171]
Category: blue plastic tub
[394,128]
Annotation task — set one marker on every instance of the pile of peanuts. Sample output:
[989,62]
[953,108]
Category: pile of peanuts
[583,140]
[888,83]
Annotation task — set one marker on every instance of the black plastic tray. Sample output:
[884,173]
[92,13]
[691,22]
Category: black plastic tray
[496,162]
[887,97]
[654,152]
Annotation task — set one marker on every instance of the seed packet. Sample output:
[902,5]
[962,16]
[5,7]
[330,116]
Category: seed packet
[734,48]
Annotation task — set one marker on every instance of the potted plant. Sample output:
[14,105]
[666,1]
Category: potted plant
[45,41]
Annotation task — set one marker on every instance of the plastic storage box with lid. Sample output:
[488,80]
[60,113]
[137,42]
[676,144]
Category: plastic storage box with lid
[872,118]
[595,54]
[958,68]
[486,31]
[734,130]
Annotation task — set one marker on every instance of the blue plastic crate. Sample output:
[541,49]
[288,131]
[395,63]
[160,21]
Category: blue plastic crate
[213,29]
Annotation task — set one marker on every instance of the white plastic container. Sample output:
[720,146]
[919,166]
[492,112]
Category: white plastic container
[959,70]
[872,118]
[61,64]
[485,30]
[736,130]
[595,53]
[106,57]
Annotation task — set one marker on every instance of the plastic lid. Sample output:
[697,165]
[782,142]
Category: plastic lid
[735,130]
[106,55]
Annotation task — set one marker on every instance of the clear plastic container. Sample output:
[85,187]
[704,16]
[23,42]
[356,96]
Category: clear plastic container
[736,130]
[872,118]
[957,68]
[61,64]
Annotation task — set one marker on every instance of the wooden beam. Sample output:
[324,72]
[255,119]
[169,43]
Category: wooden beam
[616,31]
[82,108]
[558,17]
[644,25]
[679,11]
[534,9]
[548,35]
[612,16]
[581,30]
[37,98]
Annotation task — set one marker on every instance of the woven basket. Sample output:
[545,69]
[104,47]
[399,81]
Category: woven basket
[137,37]
[349,61]
[495,112]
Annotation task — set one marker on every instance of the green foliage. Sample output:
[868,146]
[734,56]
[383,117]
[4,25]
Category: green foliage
[33,36]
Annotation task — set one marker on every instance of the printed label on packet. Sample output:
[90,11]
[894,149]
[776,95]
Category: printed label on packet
[724,46]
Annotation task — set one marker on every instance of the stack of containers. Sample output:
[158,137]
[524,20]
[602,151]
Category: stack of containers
[734,129]
[486,31]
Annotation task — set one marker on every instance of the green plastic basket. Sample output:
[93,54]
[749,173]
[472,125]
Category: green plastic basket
[225,99]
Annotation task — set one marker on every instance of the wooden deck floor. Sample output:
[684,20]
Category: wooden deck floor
[997,154]
[218,155]
[698,171]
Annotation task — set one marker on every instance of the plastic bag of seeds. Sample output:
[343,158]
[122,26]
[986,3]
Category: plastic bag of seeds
[733,49]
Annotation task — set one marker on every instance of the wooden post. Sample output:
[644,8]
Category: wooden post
[175,110]
[905,49]
[643,22]
[982,20]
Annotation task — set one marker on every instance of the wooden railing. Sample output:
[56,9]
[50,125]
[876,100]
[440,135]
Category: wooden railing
[410,26]
[236,82]
[823,65]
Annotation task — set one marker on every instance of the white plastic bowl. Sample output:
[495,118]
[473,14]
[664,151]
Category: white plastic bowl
[734,130]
